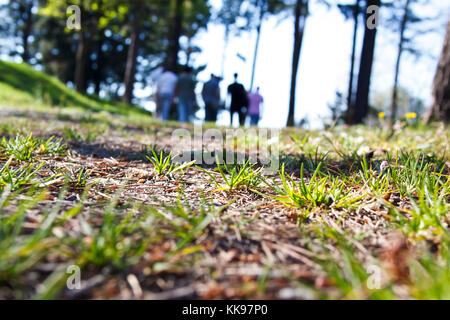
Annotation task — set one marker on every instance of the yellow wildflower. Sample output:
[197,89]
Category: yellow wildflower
[411,115]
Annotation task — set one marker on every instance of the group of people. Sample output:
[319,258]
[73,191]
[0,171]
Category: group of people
[171,88]
[244,103]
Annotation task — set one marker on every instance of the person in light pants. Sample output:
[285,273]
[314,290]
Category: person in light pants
[166,92]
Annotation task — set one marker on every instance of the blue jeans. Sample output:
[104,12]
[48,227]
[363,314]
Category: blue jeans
[165,100]
[254,119]
[184,109]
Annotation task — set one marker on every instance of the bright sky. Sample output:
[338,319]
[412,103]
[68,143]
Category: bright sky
[324,62]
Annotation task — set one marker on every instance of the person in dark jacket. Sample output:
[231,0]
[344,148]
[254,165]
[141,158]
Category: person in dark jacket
[239,101]
[211,97]
[185,91]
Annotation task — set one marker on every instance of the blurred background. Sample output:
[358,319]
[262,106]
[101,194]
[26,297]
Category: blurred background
[315,61]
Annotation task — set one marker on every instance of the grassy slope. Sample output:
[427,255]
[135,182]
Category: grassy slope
[20,85]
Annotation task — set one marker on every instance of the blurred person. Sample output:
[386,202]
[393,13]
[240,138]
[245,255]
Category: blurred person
[154,77]
[166,92]
[254,107]
[211,97]
[185,92]
[239,101]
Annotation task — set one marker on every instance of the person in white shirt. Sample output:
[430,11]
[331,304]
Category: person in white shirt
[166,92]
[154,77]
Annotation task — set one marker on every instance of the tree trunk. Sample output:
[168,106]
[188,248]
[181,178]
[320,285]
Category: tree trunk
[189,49]
[356,10]
[255,55]
[100,64]
[301,14]
[98,74]
[27,29]
[361,107]
[130,69]
[440,109]
[394,103]
[176,34]
[80,62]
[258,37]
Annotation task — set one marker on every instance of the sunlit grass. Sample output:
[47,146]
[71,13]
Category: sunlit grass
[165,164]
[400,177]
[238,175]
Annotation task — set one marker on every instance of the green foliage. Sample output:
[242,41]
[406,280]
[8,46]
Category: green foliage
[346,271]
[336,189]
[318,191]
[21,148]
[78,135]
[431,274]
[120,240]
[229,13]
[240,175]
[410,172]
[188,223]
[22,86]
[429,208]
[378,182]
[18,254]
[164,164]
[52,147]
[24,148]
[109,26]
[406,102]
[15,23]
[77,178]
[16,178]
[313,158]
